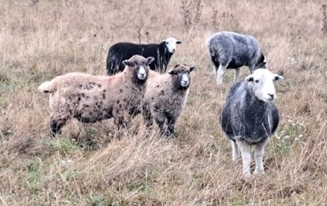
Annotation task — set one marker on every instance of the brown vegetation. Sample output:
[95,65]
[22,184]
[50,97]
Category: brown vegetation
[40,39]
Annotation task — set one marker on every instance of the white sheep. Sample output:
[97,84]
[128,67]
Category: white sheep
[91,98]
[230,50]
[250,117]
[165,97]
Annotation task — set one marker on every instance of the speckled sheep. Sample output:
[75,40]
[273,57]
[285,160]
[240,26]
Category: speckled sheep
[165,97]
[91,98]
[250,117]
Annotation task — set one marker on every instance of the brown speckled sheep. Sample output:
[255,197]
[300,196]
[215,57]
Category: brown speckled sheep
[165,97]
[91,98]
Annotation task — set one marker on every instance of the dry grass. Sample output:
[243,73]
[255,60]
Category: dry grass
[42,39]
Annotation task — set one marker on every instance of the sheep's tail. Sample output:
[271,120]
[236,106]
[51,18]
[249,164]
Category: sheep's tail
[46,87]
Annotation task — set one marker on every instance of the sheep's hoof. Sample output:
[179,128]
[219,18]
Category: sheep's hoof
[219,83]
[247,176]
[258,172]
[172,136]
[235,159]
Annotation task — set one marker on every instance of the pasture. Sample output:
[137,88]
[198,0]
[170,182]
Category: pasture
[87,165]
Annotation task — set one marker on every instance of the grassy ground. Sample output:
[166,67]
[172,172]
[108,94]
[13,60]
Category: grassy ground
[40,39]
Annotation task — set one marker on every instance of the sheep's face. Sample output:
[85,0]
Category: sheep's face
[171,44]
[262,84]
[181,75]
[140,65]
[141,73]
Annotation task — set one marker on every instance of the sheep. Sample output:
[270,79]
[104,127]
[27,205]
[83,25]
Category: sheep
[230,50]
[249,117]
[166,95]
[91,98]
[123,50]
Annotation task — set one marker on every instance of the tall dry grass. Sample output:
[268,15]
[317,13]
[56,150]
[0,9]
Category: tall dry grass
[40,39]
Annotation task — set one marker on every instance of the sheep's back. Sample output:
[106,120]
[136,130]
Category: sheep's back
[229,45]
[78,80]
[125,50]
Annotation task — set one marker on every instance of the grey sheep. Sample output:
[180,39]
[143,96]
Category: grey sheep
[91,98]
[230,50]
[250,117]
[165,96]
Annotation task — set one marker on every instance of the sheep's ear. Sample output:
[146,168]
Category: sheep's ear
[262,65]
[278,77]
[249,78]
[178,42]
[172,72]
[128,63]
[150,60]
[192,68]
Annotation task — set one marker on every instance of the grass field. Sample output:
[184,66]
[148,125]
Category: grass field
[40,39]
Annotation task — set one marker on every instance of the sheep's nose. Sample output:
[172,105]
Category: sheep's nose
[272,96]
[185,83]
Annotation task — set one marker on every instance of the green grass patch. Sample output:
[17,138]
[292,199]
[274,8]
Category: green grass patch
[63,145]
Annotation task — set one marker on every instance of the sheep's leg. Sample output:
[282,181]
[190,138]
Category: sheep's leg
[220,73]
[235,151]
[109,68]
[121,123]
[215,64]
[170,126]
[147,116]
[246,157]
[214,69]
[56,125]
[161,120]
[258,156]
[121,120]
[237,73]
[164,68]
[148,122]
[252,69]
[163,127]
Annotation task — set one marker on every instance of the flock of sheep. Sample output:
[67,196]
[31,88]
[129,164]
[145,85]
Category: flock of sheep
[137,83]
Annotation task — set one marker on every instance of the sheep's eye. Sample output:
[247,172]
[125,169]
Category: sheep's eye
[256,81]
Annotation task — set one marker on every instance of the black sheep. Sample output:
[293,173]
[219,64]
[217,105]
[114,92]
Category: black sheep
[124,50]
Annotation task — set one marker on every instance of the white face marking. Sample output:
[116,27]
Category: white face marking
[185,81]
[141,74]
[171,44]
[263,84]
